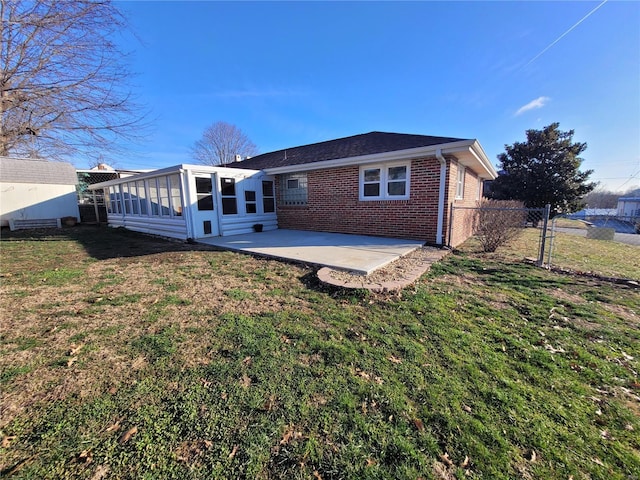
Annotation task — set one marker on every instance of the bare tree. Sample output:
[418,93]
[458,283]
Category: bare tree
[64,89]
[220,143]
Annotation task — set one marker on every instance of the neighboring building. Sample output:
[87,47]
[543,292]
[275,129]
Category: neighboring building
[629,207]
[35,189]
[381,184]
[191,201]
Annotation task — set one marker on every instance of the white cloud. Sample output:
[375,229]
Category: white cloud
[532,105]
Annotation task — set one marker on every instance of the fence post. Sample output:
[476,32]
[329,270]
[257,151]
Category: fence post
[545,223]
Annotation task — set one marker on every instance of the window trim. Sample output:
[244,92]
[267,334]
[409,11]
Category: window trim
[384,181]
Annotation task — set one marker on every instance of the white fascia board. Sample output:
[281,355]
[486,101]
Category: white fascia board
[473,156]
[170,170]
[462,146]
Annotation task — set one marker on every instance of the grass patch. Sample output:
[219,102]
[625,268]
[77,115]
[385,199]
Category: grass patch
[605,258]
[485,368]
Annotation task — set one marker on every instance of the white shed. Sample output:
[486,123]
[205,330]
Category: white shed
[33,190]
[192,201]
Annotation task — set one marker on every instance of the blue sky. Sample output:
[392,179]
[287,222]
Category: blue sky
[294,73]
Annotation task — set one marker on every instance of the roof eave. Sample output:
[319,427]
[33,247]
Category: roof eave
[471,151]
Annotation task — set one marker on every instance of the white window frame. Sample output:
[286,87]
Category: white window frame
[384,181]
[294,189]
[460,182]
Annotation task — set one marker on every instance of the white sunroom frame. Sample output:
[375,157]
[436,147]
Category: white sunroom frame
[183,225]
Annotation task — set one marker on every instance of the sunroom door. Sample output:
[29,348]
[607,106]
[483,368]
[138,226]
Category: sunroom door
[205,214]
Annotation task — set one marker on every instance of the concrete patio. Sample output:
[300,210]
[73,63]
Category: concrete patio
[356,253]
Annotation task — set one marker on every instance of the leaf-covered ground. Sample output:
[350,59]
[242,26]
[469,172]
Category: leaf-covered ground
[124,356]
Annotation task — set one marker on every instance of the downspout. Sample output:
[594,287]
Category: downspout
[441,195]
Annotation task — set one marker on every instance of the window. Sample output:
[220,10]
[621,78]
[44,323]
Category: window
[111,204]
[294,191]
[118,200]
[460,182]
[135,205]
[153,197]
[228,190]
[204,193]
[268,200]
[176,195]
[163,191]
[384,182]
[142,195]
[127,198]
[250,201]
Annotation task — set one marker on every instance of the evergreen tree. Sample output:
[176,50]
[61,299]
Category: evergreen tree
[543,170]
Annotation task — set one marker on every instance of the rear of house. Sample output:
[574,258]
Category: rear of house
[383,184]
[380,184]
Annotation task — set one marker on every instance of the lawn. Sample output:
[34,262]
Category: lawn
[123,356]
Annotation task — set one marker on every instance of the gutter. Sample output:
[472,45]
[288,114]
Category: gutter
[441,195]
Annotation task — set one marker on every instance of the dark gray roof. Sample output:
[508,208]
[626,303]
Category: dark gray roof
[357,145]
[27,170]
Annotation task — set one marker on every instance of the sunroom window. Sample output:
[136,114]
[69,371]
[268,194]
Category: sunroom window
[384,182]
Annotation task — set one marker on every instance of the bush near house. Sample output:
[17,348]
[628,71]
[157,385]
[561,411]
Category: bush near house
[125,356]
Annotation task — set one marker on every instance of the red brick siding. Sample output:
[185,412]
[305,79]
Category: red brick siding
[334,206]
[463,219]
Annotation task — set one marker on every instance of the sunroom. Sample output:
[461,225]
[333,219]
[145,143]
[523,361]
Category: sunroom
[192,201]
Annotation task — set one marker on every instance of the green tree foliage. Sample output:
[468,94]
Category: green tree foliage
[543,170]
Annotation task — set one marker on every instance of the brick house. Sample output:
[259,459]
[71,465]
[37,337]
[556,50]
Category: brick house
[380,184]
[383,184]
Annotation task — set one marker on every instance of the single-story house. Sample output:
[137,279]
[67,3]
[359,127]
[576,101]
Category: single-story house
[381,184]
[629,207]
[33,191]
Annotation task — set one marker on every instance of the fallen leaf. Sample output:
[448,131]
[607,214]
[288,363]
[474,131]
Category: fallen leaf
[208,444]
[466,408]
[224,395]
[465,462]
[317,475]
[71,361]
[597,461]
[85,457]
[100,473]
[530,455]
[7,439]
[418,424]
[246,361]
[234,451]
[75,350]
[287,435]
[126,436]
[371,462]
[246,381]
[445,458]
[114,427]
[395,360]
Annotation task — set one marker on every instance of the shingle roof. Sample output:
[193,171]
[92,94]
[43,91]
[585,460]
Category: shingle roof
[27,170]
[363,144]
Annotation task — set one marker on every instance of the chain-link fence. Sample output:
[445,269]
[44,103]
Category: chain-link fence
[598,245]
[499,223]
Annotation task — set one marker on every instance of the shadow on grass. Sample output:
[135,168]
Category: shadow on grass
[102,242]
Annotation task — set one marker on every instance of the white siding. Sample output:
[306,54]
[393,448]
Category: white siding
[31,201]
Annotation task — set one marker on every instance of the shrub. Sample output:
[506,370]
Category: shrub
[498,221]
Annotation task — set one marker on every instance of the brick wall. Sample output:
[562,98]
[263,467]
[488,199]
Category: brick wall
[462,227]
[334,206]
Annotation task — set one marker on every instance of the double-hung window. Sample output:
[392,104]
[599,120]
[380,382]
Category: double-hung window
[385,181]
